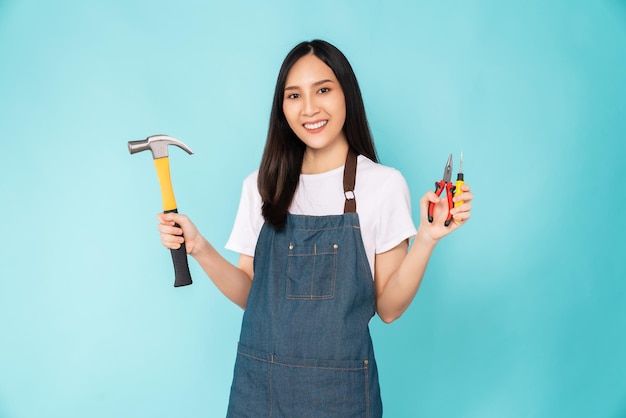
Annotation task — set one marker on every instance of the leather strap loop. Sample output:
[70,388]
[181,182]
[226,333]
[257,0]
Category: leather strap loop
[349,179]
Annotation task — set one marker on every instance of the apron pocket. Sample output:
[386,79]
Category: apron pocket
[311,271]
[308,391]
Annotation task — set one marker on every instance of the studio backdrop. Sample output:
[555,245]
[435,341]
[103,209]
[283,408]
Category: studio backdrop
[521,312]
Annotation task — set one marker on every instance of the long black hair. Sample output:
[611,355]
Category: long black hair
[281,163]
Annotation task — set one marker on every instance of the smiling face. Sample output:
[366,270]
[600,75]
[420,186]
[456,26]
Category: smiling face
[315,108]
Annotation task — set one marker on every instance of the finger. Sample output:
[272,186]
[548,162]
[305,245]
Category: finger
[465,207]
[164,219]
[429,197]
[172,242]
[170,229]
[461,213]
[463,197]
[172,217]
[461,218]
[463,194]
[172,246]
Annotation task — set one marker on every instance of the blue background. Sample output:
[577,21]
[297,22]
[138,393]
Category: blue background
[521,313]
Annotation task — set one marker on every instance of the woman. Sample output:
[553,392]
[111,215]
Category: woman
[324,231]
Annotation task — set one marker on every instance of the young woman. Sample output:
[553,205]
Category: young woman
[323,230]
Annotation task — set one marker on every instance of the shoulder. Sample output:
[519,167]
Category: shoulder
[378,175]
[370,167]
[250,186]
[251,179]
[250,196]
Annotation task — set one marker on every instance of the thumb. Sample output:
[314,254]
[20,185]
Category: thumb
[428,197]
[171,218]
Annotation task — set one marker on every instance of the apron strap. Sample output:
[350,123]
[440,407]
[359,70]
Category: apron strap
[349,178]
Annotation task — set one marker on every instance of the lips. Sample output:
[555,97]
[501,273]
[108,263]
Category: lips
[315,125]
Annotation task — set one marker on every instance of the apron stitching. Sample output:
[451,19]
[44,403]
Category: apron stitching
[256,358]
[347,369]
[327,229]
[270,384]
[367,389]
[313,272]
[272,360]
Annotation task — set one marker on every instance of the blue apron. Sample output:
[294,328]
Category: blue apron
[305,347]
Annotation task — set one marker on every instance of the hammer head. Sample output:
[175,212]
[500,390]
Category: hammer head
[157,144]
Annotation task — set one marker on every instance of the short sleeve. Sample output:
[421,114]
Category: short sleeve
[395,223]
[249,219]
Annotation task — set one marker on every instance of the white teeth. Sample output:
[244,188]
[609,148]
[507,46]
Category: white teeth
[315,125]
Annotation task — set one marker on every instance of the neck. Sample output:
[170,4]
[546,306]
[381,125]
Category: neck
[318,161]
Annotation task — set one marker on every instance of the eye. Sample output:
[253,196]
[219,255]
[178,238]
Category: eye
[324,90]
[293,96]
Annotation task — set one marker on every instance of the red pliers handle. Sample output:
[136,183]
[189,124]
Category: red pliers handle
[446,184]
[439,187]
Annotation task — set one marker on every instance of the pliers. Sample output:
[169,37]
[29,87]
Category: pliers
[450,188]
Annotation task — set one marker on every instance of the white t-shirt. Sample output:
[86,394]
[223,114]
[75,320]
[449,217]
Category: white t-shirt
[382,203]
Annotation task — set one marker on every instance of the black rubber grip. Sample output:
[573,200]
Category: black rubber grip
[431,206]
[182,276]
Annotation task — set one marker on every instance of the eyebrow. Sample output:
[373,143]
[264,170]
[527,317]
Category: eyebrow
[317,83]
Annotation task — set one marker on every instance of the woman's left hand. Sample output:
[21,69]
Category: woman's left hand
[460,214]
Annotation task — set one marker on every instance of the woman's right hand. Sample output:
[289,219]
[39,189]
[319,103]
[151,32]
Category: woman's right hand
[172,236]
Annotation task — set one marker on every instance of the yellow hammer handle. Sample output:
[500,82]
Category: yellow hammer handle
[165,181]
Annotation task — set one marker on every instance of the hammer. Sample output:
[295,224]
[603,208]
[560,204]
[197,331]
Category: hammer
[158,145]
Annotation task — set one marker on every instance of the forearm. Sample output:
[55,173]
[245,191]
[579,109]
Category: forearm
[232,281]
[402,286]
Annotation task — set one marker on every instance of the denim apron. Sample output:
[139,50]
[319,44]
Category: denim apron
[305,347]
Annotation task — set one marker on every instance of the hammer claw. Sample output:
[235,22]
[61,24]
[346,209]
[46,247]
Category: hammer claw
[157,144]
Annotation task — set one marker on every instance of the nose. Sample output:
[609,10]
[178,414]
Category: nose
[310,105]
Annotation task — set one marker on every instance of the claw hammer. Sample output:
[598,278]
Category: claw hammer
[158,145]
